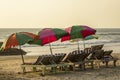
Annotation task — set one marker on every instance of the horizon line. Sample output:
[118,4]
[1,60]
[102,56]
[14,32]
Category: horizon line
[55,27]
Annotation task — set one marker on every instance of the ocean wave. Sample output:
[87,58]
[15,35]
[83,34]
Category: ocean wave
[108,33]
[62,45]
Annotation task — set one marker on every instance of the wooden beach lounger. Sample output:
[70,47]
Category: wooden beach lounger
[78,58]
[103,56]
[97,47]
[45,62]
[108,57]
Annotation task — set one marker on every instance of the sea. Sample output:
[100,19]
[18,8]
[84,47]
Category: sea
[110,37]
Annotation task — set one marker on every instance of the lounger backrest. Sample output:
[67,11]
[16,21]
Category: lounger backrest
[75,56]
[84,54]
[96,47]
[38,60]
[99,54]
[46,59]
[58,57]
[67,56]
[88,50]
[62,57]
[70,56]
[80,55]
[107,54]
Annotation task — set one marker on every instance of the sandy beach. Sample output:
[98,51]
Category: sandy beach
[10,69]
[39,28]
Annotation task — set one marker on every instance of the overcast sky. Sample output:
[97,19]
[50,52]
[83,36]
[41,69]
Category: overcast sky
[59,13]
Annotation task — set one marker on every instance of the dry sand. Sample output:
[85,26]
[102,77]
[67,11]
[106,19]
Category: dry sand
[10,69]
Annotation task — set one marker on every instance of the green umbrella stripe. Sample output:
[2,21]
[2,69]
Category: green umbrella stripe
[22,38]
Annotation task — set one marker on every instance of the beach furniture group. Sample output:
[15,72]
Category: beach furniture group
[48,63]
[78,59]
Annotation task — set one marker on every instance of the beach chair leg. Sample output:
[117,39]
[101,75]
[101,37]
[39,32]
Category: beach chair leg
[106,63]
[60,68]
[34,69]
[84,66]
[24,70]
[89,64]
[71,68]
[54,69]
[114,63]
[66,69]
[97,64]
[92,65]
[43,71]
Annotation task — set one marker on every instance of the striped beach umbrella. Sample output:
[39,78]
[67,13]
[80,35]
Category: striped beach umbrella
[48,35]
[18,39]
[78,32]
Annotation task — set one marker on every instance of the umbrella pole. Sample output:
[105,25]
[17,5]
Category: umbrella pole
[50,49]
[84,44]
[21,55]
[78,45]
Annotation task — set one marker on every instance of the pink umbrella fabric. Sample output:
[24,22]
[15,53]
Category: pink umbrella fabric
[80,31]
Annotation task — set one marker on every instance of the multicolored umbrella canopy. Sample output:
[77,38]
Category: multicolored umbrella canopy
[18,39]
[78,32]
[48,35]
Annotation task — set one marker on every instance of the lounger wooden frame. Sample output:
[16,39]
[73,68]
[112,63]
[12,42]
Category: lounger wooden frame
[43,68]
[44,62]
